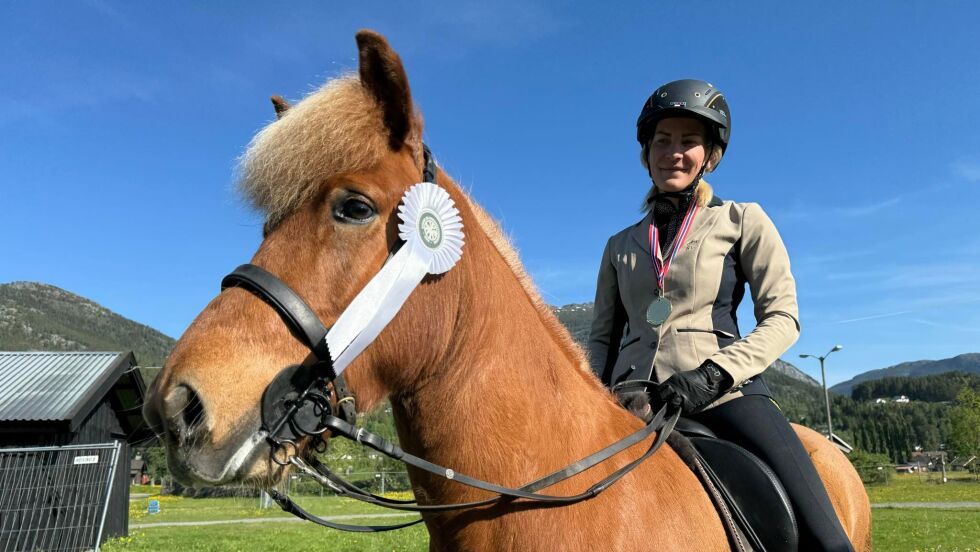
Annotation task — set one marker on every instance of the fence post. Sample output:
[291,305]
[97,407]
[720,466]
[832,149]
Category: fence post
[108,492]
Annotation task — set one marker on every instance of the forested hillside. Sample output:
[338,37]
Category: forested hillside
[936,388]
[36,317]
[894,429]
[968,363]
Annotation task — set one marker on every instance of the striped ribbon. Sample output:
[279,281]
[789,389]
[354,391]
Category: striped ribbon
[661,267]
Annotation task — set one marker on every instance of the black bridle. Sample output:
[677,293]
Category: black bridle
[297,405]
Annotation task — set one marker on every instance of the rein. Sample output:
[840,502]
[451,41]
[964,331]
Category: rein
[297,406]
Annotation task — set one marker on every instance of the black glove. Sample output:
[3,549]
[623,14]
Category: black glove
[695,389]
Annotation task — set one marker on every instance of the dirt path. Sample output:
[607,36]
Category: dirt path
[938,505]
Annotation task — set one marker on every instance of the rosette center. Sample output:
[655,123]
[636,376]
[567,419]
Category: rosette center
[430,230]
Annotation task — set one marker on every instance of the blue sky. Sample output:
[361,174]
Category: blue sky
[854,125]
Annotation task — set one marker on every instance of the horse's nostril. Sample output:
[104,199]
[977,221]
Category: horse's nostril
[185,410]
[194,411]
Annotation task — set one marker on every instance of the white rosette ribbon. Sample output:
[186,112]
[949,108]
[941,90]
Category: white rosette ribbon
[433,234]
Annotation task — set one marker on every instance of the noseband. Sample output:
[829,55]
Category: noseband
[297,404]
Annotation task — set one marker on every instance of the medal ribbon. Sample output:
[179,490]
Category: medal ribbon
[661,267]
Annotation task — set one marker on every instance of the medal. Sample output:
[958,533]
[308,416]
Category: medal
[659,309]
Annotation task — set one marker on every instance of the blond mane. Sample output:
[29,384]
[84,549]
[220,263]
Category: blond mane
[336,129]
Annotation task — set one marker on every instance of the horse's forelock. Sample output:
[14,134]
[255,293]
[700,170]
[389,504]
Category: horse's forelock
[337,129]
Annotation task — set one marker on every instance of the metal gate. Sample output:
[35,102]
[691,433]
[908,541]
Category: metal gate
[55,498]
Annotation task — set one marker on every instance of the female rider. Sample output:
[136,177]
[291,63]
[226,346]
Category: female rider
[669,287]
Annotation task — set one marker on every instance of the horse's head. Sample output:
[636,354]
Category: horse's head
[329,175]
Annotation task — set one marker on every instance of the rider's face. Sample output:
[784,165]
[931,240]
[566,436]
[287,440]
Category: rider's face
[676,153]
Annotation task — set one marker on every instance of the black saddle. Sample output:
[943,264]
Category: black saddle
[748,485]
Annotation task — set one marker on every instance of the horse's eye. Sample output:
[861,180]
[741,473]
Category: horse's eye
[354,210]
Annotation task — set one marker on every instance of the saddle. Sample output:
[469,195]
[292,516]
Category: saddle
[751,500]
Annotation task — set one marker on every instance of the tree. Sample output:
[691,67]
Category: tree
[156,463]
[965,420]
[873,468]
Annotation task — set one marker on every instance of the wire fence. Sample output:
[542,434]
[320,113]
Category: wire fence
[373,481]
[55,498]
[298,486]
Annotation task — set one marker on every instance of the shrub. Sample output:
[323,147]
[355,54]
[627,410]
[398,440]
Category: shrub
[873,468]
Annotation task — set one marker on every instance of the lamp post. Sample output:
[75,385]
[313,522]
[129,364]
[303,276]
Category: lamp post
[826,393]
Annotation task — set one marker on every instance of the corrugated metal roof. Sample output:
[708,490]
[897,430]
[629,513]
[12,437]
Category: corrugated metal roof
[50,386]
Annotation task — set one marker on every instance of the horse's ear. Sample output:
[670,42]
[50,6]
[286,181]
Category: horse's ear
[383,75]
[280,105]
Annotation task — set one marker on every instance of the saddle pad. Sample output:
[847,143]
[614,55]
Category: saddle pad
[755,489]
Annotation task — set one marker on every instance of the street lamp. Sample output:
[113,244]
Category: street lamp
[826,393]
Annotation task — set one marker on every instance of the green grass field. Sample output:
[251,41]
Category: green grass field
[926,530]
[291,537]
[961,487]
[212,509]
[895,530]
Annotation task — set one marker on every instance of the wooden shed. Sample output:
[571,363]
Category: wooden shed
[67,420]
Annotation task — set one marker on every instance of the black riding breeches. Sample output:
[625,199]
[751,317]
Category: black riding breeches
[754,423]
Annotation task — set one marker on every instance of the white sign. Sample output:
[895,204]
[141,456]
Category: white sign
[86,460]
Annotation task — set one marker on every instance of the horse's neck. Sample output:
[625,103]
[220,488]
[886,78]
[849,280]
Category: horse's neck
[510,404]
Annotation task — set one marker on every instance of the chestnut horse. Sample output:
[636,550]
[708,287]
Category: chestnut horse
[481,375]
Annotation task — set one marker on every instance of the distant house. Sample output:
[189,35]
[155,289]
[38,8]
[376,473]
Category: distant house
[900,399]
[881,401]
[66,423]
[928,460]
[137,471]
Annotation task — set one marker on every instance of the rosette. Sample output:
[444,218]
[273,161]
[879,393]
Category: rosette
[431,226]
[433,233]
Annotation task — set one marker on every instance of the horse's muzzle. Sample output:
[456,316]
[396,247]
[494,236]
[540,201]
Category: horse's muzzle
[180,421]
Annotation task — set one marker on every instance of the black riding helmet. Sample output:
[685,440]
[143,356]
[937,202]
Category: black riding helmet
[687,98]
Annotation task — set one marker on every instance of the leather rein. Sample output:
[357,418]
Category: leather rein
[297,405]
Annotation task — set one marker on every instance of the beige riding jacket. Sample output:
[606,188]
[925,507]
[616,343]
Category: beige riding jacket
[729,245]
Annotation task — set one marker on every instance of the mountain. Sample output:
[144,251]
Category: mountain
[968,363]
[780,366]
[577,318]
[40,317]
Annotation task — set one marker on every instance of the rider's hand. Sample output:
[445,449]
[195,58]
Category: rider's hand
[695,389]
